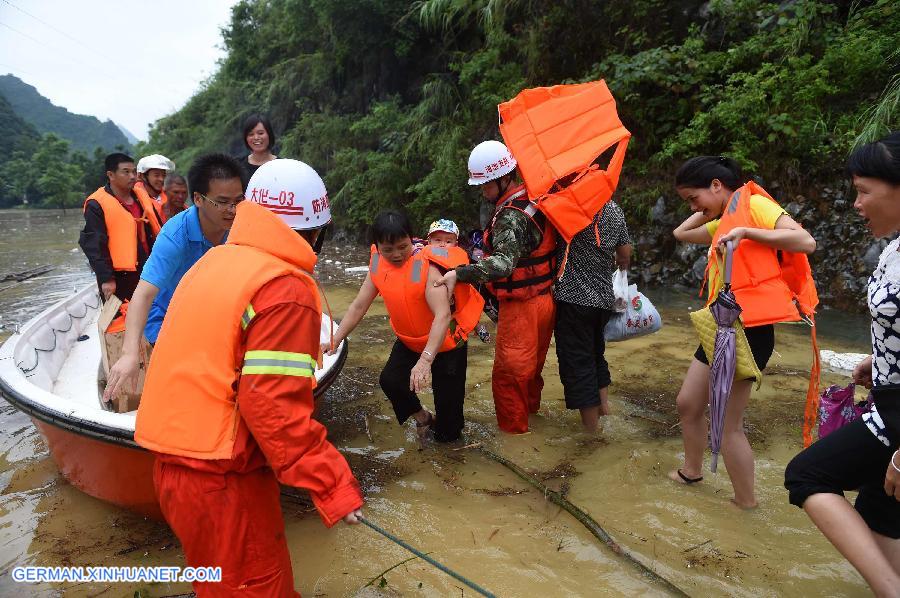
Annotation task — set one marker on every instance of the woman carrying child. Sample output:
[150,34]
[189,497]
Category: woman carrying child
[863,455]
[766,240]
[431,337]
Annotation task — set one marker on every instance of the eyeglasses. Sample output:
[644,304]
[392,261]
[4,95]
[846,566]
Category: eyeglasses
[223,205]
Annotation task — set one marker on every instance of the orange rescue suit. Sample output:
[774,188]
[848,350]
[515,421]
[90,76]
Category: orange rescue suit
[403,291]
[122,227]
[202,422]
[216,467]
[533,274]
[771,286]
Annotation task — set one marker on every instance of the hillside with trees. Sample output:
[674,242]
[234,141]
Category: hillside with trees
[83,132]
[386,98]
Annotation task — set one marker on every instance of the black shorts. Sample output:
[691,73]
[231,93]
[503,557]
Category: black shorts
[580,348]
[761,340]
[852,458]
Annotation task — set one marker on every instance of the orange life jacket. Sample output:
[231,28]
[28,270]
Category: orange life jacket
[188,406]
[403,291]
[771,286]
[122,227]
[533,275]
[141,191]
[556,135]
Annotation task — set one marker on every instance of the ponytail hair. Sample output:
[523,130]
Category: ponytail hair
[877,160]
[700,171]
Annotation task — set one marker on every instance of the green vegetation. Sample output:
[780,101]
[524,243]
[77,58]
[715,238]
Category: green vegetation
[44,173]
[386,97]
[44,170]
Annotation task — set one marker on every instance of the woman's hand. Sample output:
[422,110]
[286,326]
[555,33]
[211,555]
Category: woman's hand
[420,376]
[734,235]
[892,477]
[862,373]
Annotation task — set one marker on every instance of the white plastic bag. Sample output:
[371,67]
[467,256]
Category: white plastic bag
[639,318]
[620,290]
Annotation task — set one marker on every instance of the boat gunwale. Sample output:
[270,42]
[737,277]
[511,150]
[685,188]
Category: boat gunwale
[117,435]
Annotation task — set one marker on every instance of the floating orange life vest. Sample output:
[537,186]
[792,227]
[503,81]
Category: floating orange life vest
[771,286]
[188,406]
[141,191]
[403,291]
[556,135]
[122,227]
[533,275]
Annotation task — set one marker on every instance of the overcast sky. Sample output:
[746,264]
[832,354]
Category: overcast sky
[131,61]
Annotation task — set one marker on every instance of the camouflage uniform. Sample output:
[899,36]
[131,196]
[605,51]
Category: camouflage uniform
[513,237]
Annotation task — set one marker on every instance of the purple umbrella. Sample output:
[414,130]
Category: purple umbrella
[725,311]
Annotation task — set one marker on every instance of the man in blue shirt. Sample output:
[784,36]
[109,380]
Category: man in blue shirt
[217,185]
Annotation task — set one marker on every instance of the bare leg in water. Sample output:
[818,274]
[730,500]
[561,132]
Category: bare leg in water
[691,403]
[736,449]
[590,416]
[876,557]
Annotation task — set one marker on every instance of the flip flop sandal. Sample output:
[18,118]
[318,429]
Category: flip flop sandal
[688,480]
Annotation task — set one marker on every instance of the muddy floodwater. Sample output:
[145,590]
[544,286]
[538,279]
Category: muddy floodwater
[468,512]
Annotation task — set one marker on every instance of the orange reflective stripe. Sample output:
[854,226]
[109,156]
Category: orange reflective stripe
[201,423]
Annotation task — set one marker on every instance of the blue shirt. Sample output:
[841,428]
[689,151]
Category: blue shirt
[178,247]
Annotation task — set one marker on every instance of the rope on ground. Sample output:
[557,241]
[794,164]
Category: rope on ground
[587,521]
[427,558]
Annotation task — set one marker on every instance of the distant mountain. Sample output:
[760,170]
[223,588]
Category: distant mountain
[14,131]
[128,134]
[83,132]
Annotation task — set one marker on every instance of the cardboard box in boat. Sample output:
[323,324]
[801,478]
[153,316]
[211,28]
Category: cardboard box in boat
[111,350]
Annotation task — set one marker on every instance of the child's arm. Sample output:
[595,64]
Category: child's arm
[693,230]
[439,303]
[787,236]
[356,311]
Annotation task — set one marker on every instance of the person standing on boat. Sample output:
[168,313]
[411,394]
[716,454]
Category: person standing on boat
[519,270]
[119,229]
[228,402]
[259,139]
[152,172]
[217,186]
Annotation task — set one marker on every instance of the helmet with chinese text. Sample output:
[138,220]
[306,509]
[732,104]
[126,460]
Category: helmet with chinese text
[294,191]
[489,160]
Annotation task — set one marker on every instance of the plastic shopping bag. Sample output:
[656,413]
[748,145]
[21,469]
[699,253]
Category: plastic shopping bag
[620,290]
[639,318]
[837,408]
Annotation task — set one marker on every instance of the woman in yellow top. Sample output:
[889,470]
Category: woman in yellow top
[709,185]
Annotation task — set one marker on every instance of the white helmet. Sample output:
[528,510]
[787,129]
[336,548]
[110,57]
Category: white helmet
[488,161]
[294,191]
[154,161]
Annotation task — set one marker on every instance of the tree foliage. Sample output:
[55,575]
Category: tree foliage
[385,98]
